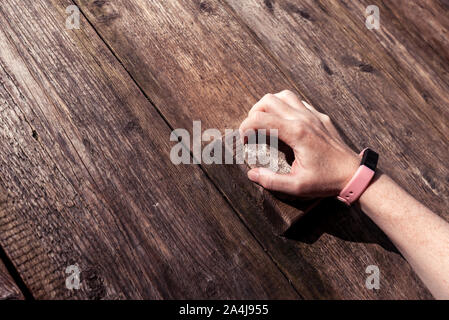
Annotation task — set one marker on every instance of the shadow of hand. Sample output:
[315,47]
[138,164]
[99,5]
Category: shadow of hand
[333,217]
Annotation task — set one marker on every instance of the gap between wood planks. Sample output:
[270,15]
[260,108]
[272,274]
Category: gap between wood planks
[15,286]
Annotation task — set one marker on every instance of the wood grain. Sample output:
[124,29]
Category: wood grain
[410,48]
[8,288]
[205,60]
[85,163]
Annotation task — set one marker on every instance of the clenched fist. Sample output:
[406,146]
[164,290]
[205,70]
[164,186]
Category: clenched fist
[323,162]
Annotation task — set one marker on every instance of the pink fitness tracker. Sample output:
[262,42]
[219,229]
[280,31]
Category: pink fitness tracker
[361,179]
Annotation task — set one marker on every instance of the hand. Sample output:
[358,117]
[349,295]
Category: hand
[323,164]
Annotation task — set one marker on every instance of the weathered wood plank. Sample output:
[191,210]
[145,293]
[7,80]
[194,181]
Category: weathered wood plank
[419,27]
[8,288]
[202,63]
[410,48]
[85,162]
[426,24]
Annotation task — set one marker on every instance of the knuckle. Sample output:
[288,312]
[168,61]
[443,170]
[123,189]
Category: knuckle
[268,100]
[285,92]
[268,97]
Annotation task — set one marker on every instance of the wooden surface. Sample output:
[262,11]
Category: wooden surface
[93,184]
[86,117]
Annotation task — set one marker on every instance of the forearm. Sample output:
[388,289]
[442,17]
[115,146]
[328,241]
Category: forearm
[419,234]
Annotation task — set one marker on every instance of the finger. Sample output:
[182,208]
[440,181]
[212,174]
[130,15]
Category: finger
[291,99]
[271,104]
[285,129]
[285,183]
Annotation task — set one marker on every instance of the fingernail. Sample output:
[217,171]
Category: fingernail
[253,174]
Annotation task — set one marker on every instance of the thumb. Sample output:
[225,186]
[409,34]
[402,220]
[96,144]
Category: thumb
[274,181]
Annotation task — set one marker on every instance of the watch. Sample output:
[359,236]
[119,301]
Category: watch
[361,179]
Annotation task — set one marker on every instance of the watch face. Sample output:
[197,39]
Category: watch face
[369,159]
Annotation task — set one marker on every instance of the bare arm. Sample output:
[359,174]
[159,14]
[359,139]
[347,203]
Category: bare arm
[419,234]
[322,167]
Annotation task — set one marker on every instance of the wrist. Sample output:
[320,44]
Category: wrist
[361,178]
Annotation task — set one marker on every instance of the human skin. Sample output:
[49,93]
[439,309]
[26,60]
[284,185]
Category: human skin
[324,164]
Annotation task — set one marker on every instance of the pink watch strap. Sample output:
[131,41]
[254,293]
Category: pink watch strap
[357,185]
